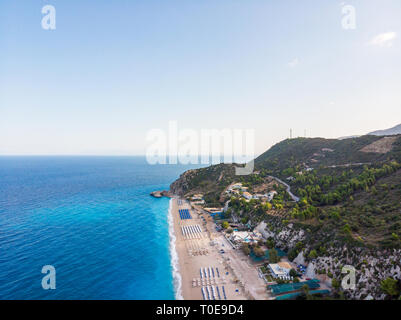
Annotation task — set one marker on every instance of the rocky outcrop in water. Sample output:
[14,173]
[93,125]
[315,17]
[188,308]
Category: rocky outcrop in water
[160,194]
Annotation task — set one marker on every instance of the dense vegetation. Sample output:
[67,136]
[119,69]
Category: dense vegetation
[345,194]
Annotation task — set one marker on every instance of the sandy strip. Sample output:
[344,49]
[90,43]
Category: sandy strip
[201,251]
[186,265]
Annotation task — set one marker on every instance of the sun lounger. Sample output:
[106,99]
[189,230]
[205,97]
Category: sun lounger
[208,294]
[218,292]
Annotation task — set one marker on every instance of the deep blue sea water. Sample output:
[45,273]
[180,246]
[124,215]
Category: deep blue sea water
[91,218]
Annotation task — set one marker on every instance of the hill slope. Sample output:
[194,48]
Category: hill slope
[352,187]
[349,212]
[392,131]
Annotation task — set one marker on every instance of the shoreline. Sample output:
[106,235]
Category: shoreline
[182,263]
[177,279]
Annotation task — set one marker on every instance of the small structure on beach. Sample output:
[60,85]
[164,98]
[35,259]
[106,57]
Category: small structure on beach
[197,197]
[214,211]
[239,237]
[280,270]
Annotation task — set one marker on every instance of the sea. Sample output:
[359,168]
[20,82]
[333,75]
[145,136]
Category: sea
[90,218]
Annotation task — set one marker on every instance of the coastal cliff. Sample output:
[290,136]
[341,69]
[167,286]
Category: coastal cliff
[182,184]
[210,181]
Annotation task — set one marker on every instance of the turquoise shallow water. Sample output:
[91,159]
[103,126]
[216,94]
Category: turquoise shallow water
[91,218]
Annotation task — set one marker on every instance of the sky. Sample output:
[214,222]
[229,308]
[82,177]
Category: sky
[112,71]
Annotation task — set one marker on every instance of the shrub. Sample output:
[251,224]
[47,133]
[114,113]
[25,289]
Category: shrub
[335,283]
[312,254]
[390,287]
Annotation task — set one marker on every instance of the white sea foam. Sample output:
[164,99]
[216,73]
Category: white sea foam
[177,280]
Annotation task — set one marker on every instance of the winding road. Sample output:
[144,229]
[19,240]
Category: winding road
[293,196]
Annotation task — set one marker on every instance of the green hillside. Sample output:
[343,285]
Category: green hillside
[349,189]
[314,152]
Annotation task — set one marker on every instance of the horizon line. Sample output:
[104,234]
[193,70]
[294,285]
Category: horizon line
[102,155]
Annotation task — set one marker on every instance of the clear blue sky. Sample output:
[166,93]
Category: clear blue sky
[112,70]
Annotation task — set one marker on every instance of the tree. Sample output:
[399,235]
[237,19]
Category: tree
[322,250]
[299,246]
[273,256]
[347,229]
[258,252]
[312,254]
[335,283]
[267,206]
[270,243]
[373,190]
[305,290]
[245,248]
[292,254]
[225,225]
[303,202]
[390,287]
[293,273]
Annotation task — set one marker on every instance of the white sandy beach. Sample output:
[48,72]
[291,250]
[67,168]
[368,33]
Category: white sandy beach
[202,250]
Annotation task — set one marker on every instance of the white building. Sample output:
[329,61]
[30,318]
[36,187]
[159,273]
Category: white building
[198,202]
[240,236]
[197,197]
[260,196]
[237,186]
[280,270]
[245,236]
[247,195]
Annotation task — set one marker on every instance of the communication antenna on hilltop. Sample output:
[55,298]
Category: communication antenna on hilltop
[290,133]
